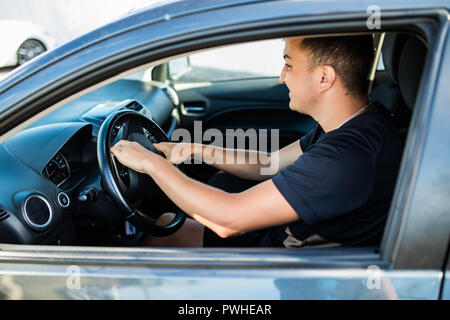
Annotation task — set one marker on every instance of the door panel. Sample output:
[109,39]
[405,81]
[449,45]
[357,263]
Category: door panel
[245,104]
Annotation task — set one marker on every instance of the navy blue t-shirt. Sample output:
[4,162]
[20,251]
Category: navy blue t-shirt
[342,184]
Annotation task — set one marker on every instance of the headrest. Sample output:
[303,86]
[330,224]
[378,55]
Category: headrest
[410,69]
[392,49]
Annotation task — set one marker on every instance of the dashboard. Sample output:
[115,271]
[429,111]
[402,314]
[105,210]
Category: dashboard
[50,175]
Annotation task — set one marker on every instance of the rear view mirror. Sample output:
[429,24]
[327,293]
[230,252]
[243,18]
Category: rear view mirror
[178,67]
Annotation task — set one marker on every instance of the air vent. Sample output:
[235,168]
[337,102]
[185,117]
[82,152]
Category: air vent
[3,214]
[136,106]
[37,211]
[194,106]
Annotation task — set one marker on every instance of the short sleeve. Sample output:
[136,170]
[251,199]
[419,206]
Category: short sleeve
[333,177]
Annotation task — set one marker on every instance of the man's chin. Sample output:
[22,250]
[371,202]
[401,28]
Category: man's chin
[295,107]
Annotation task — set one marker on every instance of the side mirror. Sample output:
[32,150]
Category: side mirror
[178,67]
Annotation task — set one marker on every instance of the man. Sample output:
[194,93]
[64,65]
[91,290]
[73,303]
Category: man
[333,186]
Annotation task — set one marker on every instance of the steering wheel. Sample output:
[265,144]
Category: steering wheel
[125,186]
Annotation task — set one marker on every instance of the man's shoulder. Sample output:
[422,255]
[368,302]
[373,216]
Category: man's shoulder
[374,129]
[374,120]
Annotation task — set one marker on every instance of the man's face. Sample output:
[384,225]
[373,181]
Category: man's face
[297,77]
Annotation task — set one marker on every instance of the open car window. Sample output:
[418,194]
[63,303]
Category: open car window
[243,61]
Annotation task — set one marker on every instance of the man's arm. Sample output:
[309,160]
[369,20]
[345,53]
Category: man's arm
[224,213]
[246,164]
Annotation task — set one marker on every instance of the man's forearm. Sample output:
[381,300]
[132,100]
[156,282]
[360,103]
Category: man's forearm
[246,164]
[210,206]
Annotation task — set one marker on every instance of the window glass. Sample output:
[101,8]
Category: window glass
[244,61]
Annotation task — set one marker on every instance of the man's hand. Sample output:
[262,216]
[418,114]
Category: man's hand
[175,152]
[134,156]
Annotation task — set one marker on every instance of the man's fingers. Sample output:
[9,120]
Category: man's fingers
[119,146]
[167,148]
[162,147]
[159,147]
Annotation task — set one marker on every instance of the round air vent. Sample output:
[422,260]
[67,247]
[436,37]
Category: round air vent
[37,211]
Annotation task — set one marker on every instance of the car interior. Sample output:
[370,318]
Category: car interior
[57,178]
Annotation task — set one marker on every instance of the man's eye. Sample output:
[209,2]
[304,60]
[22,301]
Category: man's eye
[287,66]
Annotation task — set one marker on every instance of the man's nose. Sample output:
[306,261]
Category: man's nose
[282,75]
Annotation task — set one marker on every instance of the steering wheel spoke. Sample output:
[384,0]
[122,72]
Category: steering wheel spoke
[121,173]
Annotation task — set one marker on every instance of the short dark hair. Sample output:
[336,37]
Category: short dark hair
[350,56]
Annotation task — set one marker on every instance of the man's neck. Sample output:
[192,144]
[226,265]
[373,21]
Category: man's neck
[332,114]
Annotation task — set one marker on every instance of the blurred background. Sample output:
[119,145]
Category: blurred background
[30,27]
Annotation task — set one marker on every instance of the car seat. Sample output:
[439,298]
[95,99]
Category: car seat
[403,57]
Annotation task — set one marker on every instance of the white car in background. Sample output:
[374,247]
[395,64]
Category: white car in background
[21,42]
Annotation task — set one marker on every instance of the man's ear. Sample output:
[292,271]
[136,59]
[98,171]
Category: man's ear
[327,76]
